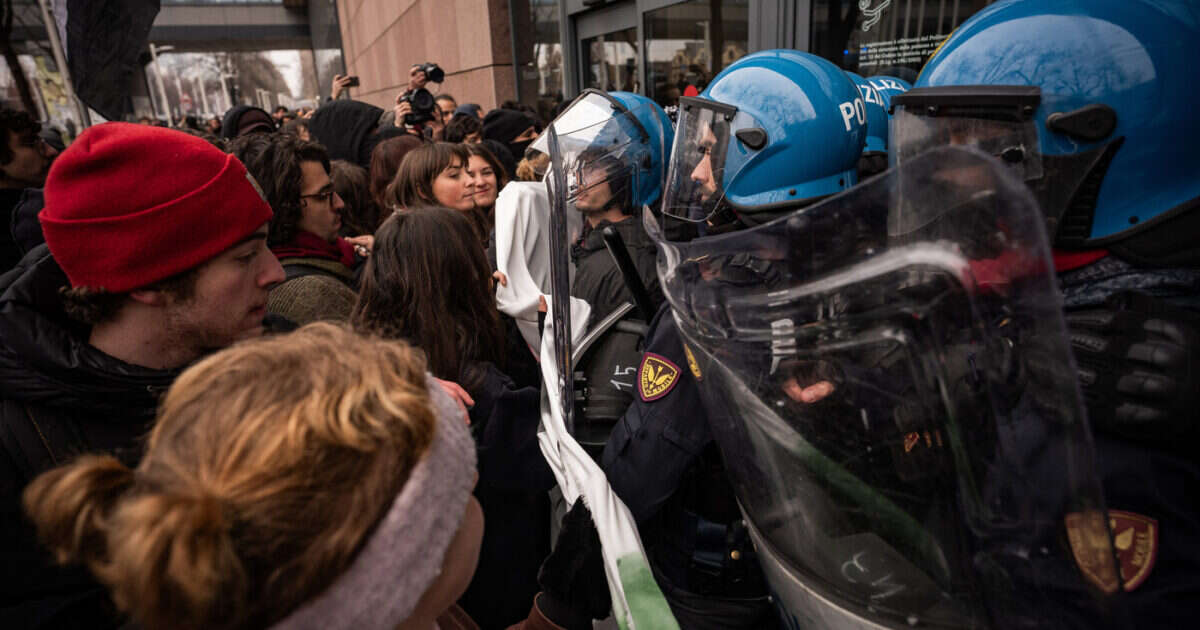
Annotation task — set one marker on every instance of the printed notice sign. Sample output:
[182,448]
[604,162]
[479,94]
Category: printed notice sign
[908,51]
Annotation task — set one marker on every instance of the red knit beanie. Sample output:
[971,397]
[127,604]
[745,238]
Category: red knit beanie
[129,205]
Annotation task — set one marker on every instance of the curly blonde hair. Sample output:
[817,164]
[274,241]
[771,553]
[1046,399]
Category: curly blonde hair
[270,464]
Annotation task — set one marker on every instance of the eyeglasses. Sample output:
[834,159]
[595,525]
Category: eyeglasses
[325,196]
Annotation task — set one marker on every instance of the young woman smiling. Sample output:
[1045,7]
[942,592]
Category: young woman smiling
[433,175]
[489,178]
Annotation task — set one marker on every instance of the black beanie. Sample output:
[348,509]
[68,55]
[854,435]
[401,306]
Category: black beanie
[505,124]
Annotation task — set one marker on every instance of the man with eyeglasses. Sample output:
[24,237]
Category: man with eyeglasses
[24,161]
[319,263]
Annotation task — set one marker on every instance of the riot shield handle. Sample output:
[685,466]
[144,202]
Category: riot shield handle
[616,247]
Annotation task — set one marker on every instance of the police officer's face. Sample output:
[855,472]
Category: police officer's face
[594,192]
[703,174]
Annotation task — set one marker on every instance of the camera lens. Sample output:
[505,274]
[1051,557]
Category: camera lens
[434,73]
[422,100]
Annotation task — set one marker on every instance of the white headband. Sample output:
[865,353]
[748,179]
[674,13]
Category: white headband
[403,556]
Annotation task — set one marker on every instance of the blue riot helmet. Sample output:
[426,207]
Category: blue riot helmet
[1085,99]
[774,131]
[874,156]
[877,117]
[888,86]
[661,135]
[612,146]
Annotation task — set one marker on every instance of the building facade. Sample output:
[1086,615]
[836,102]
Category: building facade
[542,52]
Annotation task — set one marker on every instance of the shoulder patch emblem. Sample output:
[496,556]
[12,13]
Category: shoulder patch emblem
[1136,539]
[657,377]
[691,359]
[1088,537]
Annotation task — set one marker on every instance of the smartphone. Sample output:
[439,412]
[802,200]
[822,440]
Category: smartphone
[353,82]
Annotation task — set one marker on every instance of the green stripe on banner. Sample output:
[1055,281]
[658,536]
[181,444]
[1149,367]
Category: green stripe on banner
[647,605]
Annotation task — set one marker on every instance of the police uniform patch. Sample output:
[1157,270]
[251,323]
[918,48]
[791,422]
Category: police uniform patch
[691,359]
[1088,536]
[657,377]
[1136,539]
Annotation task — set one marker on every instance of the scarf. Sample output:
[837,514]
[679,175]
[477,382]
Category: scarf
[309,245]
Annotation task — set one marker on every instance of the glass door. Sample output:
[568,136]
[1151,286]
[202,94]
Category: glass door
[610,60]
[609,54]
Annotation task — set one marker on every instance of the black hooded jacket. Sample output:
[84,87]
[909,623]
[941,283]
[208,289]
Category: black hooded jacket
[347,129]
[233,119]
[60,396]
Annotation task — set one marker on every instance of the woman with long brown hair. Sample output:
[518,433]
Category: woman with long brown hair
[425,282]
[438,175]
[428,282]
[433,175]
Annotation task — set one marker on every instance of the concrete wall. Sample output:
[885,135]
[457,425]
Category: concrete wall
[469,39]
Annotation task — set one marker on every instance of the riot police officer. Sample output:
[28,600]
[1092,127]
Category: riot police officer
[611,149]
[1090,102]
[883,369]
[661,458]
[614,143]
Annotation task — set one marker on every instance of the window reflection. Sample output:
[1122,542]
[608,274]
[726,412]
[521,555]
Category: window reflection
[610,61]
[687,44]
[539,54]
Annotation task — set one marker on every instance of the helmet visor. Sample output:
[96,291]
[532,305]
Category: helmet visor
[602,148]
[994,119]
[699,172]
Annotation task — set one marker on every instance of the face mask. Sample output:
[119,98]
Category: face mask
[518,149]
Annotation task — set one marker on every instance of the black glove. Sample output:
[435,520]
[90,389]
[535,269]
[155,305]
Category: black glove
[574,588]
[1139,367]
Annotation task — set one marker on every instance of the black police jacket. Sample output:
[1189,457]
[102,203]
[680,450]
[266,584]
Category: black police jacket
[60,397]
[663,462]
[598,280]
[1150,487]
[662,433]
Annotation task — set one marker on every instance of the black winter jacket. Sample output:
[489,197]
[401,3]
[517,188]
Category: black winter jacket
[513,487]
[598,280]
[59,397]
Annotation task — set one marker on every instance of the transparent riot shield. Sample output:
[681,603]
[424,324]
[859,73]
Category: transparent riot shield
[636,599]
[603,159]
[889,380]
[560,277]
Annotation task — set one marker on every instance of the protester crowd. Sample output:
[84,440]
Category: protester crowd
[120,287]
[281,369]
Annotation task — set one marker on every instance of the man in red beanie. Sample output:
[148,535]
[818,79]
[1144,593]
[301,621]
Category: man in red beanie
[155,255]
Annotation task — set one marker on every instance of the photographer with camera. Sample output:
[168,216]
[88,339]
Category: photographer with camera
[416,110]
